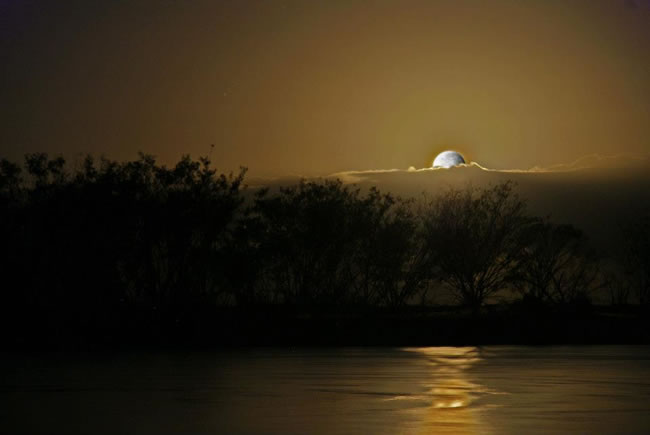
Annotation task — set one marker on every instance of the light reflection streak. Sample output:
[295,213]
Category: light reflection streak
[451,394]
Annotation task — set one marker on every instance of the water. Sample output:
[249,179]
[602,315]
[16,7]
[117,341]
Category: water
[331,391]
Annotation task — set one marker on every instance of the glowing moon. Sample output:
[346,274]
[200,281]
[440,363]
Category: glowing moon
[448,159]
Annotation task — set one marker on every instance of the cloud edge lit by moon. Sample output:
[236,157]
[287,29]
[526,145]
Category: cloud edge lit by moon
[589,161]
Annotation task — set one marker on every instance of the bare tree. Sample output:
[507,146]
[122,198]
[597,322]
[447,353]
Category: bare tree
[619,287]
[477,237]
[558,267]
[637,257]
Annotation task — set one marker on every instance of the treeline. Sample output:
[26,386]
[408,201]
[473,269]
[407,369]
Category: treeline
[107,245]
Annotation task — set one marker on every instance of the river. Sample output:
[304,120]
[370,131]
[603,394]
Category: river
[600,389]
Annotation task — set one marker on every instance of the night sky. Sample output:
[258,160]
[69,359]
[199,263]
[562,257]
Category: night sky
[317,87]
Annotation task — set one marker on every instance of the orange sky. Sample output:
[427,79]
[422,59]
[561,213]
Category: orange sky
[315,87]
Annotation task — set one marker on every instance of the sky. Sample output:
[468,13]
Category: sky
[317,87]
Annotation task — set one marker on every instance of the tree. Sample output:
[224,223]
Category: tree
[558,267]
[477,237]
[327,244]
[180,238]
[393,264]
[307,239]
[84,247]
[637,257]
[10,180]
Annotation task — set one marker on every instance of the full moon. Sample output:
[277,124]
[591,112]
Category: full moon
[448,159]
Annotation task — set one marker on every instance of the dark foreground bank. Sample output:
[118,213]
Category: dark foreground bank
[280,326]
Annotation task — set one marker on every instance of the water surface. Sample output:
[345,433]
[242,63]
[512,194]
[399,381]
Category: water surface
[331,391]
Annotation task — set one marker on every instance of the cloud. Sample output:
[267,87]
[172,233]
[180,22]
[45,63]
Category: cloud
[473,171]
[591,161]
[596,193]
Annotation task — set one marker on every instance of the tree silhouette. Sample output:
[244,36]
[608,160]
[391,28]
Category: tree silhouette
[10,180]
[307,242]
[637,256]
[477,237]
[393,263]
[136,250]
[324,243]
[557,267]
[619,287]
[83,249]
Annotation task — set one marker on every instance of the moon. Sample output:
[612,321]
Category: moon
[448,159]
